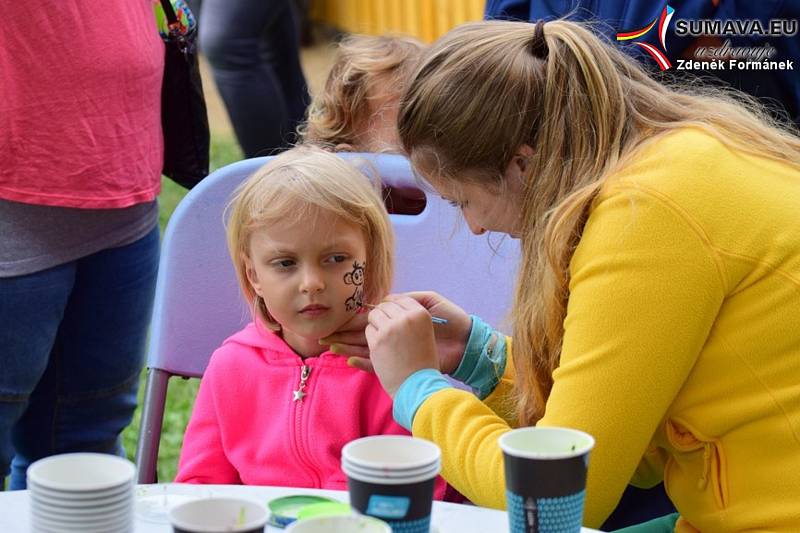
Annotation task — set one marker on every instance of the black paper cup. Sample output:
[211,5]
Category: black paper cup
[392,478]
[218,515]
[546,478]
[404,506]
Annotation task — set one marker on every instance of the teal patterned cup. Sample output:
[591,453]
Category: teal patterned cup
[545,478]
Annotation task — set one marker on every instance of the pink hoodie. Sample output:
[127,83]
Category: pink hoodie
[246,428]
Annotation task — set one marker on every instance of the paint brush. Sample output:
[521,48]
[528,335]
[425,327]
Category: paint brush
[434,319]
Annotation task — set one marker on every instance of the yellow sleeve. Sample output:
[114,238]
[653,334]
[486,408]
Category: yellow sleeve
[471,459]
[650,471]
[644,293]
[466,430]
[645,290]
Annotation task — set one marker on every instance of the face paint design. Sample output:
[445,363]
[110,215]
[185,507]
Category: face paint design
[356,278]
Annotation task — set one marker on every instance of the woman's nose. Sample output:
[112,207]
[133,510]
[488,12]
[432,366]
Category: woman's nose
[474,227]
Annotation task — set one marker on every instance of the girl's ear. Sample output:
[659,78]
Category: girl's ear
[252,275]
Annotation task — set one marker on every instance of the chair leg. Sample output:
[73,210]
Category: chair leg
[155,397]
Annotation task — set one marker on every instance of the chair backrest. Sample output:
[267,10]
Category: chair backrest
[198,302]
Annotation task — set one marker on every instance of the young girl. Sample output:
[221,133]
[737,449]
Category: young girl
[357,110]
[311,242]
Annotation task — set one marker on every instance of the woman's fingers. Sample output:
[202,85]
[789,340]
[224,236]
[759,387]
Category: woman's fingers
[345,337]
[361,363]
[451,338]
[382,315]
[357,350]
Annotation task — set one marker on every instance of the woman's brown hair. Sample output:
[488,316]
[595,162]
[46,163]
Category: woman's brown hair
[485,89]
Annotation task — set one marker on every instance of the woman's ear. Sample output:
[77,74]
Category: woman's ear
[252,275]
[522,156]
[516,169]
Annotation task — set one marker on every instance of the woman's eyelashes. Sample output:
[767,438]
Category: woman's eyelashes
[456,204]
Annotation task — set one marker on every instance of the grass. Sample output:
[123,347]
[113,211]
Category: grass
[181,392]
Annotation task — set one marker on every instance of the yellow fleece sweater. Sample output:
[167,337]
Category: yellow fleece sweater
[681,350]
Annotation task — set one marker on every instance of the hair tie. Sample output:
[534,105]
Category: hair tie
[538,44]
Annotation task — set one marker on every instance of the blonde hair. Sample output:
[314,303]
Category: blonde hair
[362,63]
[485,89]
[294,187]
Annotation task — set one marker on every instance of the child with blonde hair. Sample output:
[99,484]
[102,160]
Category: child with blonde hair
[357,109]
[310,241]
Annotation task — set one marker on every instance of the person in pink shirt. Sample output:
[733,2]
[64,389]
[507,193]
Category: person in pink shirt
[311,243]
[81,153]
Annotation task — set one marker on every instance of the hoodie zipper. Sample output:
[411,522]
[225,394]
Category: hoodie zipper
[300,393]
[297,400]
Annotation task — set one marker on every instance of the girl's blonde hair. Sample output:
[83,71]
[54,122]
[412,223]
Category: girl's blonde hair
[487,88]
[363,63]
[293,188]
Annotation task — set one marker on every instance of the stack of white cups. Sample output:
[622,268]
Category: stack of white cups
[81,492]
[391,459]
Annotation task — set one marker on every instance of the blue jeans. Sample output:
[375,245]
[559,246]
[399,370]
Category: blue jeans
[253,49]
[72,342]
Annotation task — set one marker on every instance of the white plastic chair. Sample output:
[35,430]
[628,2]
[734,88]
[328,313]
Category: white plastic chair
[198,302]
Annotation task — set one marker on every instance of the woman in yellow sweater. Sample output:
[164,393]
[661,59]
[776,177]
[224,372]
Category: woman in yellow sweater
[658,302]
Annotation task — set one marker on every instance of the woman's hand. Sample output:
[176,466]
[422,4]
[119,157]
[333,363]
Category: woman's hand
[401,341]
[450,338]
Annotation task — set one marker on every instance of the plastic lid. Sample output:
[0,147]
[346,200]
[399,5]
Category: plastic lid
[317,510]
[285,510]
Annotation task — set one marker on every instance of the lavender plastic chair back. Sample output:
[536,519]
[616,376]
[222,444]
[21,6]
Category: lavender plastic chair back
[198,302]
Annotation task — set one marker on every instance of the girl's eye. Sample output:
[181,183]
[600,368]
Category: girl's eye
[337,258]
[283,263]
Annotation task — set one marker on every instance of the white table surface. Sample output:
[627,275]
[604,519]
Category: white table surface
[447,517]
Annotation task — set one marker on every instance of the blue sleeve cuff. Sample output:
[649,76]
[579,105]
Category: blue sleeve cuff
[417,388]
[484,359]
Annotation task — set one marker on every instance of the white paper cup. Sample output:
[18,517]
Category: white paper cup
[81,472]
[340,524]
[62,499]
[391,452]
[390,476]
[218,515]
[77,513]
[108,526]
